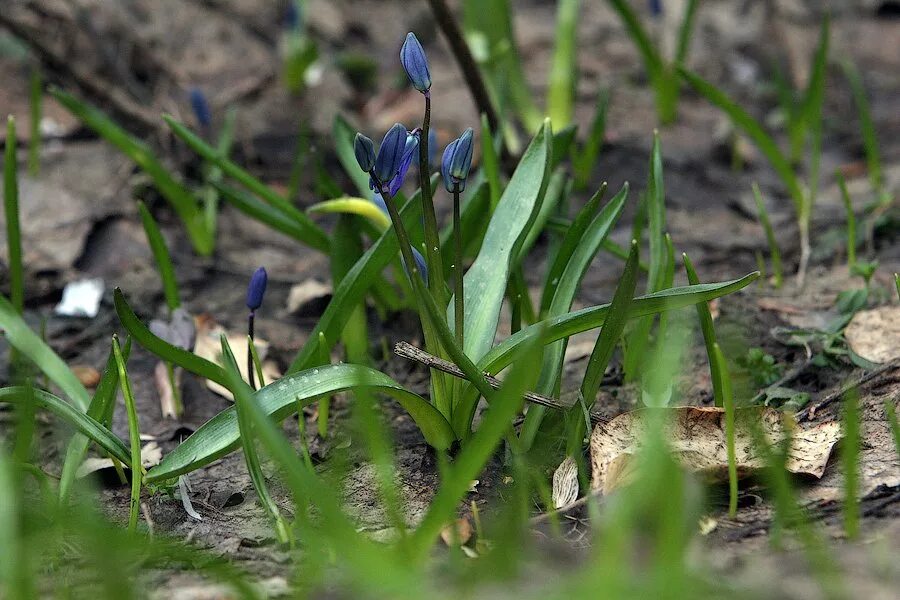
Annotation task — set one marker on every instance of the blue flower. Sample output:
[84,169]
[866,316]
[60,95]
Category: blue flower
[415,63]
[457,161]
[201,107]
[257,289]
[364,149]
[412,147]
[390,154]
[656,7]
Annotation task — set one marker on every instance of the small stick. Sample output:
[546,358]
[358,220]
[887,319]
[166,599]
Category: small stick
[410,352]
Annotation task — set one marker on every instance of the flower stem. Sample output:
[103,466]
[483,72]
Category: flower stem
[250,377]
[432,236]
[459,300]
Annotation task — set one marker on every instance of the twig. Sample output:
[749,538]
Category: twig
[467,64]
[809,412]
[410,352]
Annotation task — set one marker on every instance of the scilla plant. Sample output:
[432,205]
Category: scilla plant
[460,325]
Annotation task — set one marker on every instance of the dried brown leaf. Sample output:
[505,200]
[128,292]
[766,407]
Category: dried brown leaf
[697,438]
[565,483]
[875,334]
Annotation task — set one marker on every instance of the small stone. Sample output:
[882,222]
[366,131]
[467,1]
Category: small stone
[87,375]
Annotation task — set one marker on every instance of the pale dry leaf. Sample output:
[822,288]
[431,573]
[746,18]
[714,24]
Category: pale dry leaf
[151,455]
[875,334]
[457,533]
[696,436]
[166,391]
[209,346]
[565,483]
[707,524]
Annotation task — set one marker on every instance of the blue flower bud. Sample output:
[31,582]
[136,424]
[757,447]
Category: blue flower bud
[201,107]
[415,63]
[457,161]
[410,152]
[656,7]
[256,289]
[432,146]
[364,149]
[390,154]
[420,264]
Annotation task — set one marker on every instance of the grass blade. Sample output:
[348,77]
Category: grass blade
[709,333]
[851,220]
[62,409]
[574,234]
[251,458]
[134,433]
[720,373]
[569,283]
[850,462]
[866,125]
[353,288]
[490,163]
[613,327]
[162,257]
[353,206]
[262,212]
[35,113]
[313,236]
[774,252]
[162,348]
[11,208]
[220,435]
[343,134]
[27,342]
[474,456]
[101,410]
[586,160]
[753,130]
[173,191]
[563,69]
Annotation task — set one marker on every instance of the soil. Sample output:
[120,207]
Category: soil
[83,223]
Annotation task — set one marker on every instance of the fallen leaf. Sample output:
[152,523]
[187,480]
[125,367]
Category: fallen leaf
[167,404]
[151,454]
[697,438]
[707,524]
[304,297]
[565,483]
[209,346]
[875,334]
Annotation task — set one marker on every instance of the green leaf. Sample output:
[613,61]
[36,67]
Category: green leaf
[313,236]
[754,131]
[162,348]
[101,410]
[866,125]
[354,206]
[574,234]
[774,252]
[161,255]
[23,339]
[220,435]
[262,212]
[251,457]
[490,163]
[85,424]
[583,164]
[181,199]
[352,288]
[343,134]
[134,435]
[497,421]
[564,68]
[485,281]
[592,317]
[709,333]
[567,288]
